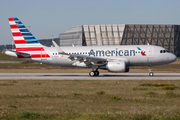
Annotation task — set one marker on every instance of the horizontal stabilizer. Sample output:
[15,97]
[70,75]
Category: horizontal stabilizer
[17,52]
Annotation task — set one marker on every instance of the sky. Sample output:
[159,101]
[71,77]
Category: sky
[48,18]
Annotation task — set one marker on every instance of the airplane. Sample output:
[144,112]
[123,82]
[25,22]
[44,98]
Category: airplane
[115,59]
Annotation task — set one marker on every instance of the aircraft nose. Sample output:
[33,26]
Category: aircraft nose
[173,58]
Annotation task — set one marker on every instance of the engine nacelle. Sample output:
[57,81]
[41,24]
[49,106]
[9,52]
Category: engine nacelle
[118,66]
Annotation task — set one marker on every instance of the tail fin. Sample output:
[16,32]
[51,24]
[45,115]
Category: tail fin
[23,39]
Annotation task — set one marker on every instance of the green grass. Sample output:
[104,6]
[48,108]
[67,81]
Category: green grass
[33,116]
[156,84]
[168,87]
[77,99]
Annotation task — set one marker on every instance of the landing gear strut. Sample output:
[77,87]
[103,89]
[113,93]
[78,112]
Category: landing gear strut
[94,73]
[150,72]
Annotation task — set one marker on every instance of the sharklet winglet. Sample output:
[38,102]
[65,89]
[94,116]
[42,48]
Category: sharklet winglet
[60,51]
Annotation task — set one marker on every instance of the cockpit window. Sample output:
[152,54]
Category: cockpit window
[164,51]
[167,51]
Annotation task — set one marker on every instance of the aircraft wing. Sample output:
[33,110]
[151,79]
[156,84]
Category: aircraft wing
[88,60]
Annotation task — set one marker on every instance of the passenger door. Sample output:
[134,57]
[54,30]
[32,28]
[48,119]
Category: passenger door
[150,55]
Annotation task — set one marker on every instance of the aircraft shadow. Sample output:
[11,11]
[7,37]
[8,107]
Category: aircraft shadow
[107,75]
[110,75]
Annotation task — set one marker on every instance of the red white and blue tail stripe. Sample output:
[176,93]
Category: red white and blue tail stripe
[21,35]
[24,41]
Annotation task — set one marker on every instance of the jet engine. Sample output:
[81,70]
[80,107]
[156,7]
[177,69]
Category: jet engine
[116,67]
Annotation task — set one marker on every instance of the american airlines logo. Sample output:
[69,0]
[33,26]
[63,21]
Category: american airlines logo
[109,53]
[142,52]
[116,52]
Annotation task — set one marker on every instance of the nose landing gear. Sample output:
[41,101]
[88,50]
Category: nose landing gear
[150,72]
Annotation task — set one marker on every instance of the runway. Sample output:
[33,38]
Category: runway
[85,76]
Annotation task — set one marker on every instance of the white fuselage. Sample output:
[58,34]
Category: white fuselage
[129,53]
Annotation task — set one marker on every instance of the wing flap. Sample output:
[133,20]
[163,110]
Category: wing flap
[88,60]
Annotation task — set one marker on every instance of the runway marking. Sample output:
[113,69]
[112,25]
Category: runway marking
[85,76]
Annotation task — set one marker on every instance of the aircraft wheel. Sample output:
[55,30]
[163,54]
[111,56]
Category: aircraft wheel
[96,73]
[151,74]
[92,73]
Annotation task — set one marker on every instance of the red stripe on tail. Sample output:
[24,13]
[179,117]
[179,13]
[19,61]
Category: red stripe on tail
[10,19]
[30,49]
[20,42]
[13,26]
[17,34]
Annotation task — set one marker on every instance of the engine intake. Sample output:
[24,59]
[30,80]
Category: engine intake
[116,67]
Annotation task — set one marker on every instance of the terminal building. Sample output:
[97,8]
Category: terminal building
[167,36]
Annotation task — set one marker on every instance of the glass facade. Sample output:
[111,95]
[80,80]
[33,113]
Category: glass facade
[167,36]
[72,36]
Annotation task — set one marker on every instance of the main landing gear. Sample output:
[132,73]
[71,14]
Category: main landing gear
[150,72]
[94,72]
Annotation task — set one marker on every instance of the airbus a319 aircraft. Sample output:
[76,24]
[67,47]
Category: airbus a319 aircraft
[112,58]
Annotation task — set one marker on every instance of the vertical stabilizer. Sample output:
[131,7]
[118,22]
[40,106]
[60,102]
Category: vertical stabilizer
[23,39]
[25,42]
